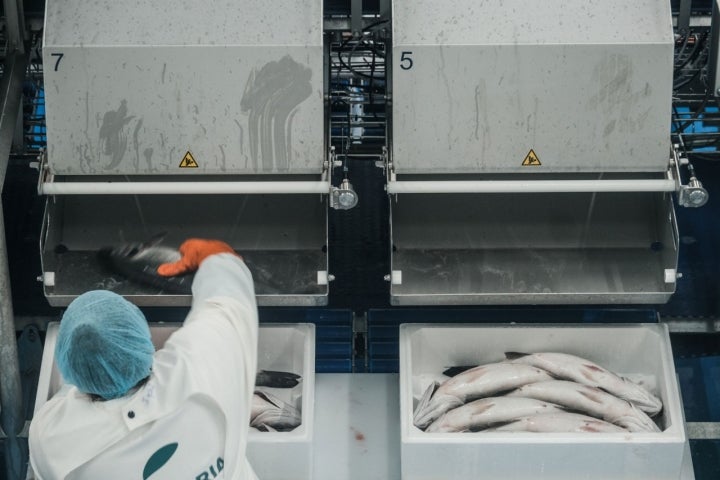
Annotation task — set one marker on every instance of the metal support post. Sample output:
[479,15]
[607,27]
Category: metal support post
[12,418]
[356,18]
[15,21]
[713,65]
[385,9]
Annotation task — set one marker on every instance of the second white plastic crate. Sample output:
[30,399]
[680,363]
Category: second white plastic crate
[640,351]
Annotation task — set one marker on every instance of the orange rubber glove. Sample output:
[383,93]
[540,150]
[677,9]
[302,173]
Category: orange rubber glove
[194,251]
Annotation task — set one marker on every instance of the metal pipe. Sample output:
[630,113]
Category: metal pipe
[182,188]
[530,186]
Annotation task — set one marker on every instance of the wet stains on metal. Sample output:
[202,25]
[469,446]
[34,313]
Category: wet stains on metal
[113,140]
[271,96]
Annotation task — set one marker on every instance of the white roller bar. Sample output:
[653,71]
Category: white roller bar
[531,186]
[182,188]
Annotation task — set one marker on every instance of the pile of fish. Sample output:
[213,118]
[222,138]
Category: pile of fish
[269,413]
[539,392]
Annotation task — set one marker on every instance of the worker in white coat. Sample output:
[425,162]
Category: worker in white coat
[129,412]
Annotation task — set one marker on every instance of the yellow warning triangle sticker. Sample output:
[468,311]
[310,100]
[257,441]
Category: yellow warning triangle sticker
[188,161]
[531,159]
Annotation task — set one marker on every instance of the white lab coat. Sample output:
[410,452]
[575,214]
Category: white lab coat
[190,420]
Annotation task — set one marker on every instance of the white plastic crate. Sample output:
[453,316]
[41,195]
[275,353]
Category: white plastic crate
[283,347]
[287,455]
[639,351]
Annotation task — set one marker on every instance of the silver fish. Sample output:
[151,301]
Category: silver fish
[558,423]
[485,412]
[478,382]
[591,401]
[580,370]
[269,413]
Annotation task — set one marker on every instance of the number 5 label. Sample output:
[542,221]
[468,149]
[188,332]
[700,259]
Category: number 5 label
[406,61]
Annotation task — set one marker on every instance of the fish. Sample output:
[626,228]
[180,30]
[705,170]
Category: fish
[478,382]
[138,261]
[269,412]
[264,428]
[590,401]
[564,422]
[580,370]
[486,412]
[453,371]
[275,379]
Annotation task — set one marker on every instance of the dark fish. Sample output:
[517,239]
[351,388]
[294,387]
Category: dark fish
[138,261]
[452,371]
[275,379]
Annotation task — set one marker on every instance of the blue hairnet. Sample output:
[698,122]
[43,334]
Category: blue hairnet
[103,346]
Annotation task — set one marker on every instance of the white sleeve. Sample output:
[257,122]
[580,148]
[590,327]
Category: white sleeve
[224,275]
[218,344]
[221,329]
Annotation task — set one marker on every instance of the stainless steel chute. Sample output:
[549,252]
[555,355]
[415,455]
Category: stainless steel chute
[195,121]
[531,160]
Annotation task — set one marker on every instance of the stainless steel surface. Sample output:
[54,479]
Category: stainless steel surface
[692,325]
[477,87]
[183,23]
[703,430]
[243,94]
[605,248]
[511,277]
[282,278]
[282,240]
